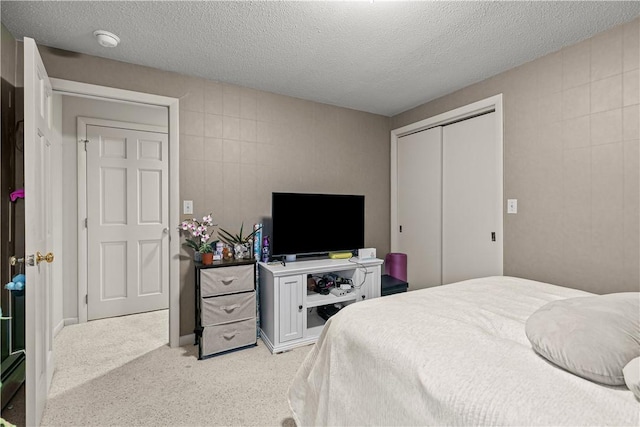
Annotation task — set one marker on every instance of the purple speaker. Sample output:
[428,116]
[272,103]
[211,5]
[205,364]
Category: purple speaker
[395,265]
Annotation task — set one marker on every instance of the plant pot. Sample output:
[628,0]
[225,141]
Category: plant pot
[207,258]
[197,257]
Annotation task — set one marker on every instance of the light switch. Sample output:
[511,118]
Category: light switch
[512,206]
[187,207]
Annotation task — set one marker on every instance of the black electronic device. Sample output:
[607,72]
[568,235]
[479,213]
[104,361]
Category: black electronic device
[326,311]
[315,224]
[325,284]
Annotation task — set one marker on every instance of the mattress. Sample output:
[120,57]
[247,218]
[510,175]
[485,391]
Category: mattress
[450,355]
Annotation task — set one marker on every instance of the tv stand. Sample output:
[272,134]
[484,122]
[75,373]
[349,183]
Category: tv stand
[289,313]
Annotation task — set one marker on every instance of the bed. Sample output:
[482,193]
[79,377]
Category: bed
[451,355]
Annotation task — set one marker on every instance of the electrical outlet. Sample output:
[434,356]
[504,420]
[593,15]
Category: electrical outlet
[512,206]
[187,207]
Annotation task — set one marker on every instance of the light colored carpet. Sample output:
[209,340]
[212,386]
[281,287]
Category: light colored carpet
[120,371]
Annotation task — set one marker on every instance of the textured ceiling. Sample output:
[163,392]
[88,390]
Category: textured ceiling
[382,57]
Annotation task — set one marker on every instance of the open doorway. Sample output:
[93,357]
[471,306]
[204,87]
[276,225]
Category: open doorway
[115,236]
[110,117]
[116,224]
[85,112]
[45,302]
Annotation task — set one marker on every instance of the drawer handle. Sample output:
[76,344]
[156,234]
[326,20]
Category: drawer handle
[228,281]
[229,336]
[230,308]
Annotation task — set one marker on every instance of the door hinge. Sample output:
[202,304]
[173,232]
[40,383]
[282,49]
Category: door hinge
[86,299]
[86,223]
[401,229]
[493,236]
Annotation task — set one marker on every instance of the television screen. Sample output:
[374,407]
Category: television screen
[306,224]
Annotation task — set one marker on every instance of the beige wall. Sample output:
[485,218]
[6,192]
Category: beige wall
[8,53]
[571,160]
[237,145]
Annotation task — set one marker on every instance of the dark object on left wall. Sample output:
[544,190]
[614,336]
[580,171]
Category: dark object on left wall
[12,331]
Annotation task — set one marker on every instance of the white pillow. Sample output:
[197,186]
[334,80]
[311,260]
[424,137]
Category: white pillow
[632,376]
[593,337]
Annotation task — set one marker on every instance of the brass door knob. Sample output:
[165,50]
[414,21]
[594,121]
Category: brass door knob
[48,257]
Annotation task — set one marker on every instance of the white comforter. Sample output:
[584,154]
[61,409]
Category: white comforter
[451,355]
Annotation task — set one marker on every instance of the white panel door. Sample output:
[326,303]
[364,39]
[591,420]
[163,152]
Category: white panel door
[290,295]
[419,206]
[127,209]
[39,137]
[472,200]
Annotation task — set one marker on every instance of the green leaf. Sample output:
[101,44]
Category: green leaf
[227,237]
[205,248]
[191,244]
[233,239]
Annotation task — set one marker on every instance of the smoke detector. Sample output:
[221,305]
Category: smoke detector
[106,39]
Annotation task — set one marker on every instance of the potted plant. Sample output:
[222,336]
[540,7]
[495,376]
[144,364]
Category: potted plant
[199,233]
[241,244]
[206,252]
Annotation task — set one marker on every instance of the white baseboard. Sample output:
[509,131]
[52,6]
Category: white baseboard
[187,339]
[64,322]
[58,327]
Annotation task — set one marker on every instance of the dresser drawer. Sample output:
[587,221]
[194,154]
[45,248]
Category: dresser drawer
[228,336]
[227,280]
[228,308]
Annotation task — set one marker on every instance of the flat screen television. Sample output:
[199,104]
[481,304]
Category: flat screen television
[315,224]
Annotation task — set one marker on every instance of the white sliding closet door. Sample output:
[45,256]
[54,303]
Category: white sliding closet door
[419,206]
[472,200]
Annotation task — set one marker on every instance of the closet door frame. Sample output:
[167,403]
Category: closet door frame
[486,105]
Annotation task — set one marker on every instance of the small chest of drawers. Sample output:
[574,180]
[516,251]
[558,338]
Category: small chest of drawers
[225,307]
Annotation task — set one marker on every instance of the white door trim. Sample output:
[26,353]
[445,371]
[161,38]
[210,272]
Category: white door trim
[88,90]
[121,125]
[467,111]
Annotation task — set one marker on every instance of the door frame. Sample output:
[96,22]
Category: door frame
[68,87]
[493,103]
[83,273]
